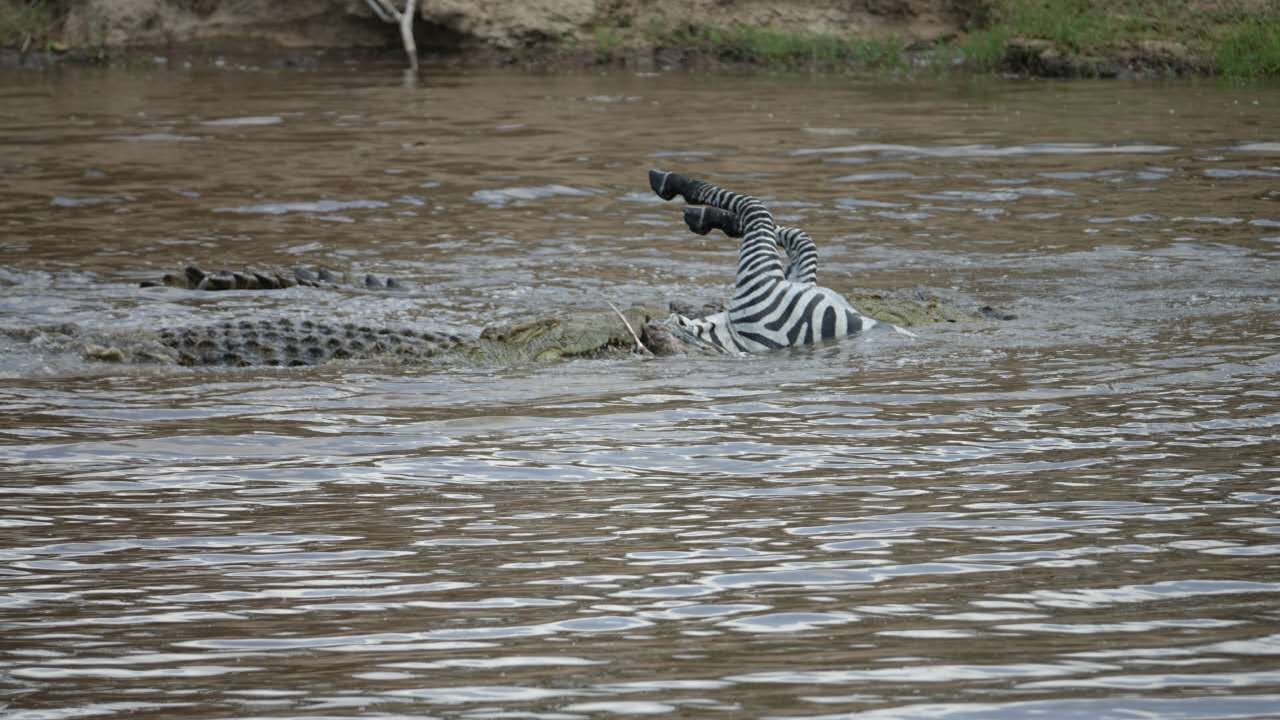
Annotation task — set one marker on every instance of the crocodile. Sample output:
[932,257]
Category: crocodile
[684,329]
[608,332]
[194,278]
[289,342]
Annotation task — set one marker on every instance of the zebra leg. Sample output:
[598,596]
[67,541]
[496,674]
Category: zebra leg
[802,254]
[758,260]
[752,215]
[667,185]
[760,287]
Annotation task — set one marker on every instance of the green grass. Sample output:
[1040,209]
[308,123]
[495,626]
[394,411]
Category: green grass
[1235,38]
[608,44]
[1251,50]
[782,49]
[1078,25]
[984,50]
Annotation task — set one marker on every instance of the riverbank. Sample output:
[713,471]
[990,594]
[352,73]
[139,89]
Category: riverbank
[1069,38]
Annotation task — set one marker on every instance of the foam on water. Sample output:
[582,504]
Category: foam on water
[316,206]
[980,151]
[504,196]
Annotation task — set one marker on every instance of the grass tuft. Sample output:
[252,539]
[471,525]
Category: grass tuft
[780,48]
[1077,25]
[984,50]
[1251,50]
[608,44]
[1240,38]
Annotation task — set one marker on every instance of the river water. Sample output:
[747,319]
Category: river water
[1069,514]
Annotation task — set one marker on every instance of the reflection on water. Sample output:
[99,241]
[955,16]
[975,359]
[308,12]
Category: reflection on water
[1071,514]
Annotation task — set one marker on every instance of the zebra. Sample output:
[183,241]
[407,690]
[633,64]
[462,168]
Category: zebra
[773,306]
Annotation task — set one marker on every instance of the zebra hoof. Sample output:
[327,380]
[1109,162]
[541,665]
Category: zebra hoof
[662,184]
[697,220]
[703,219]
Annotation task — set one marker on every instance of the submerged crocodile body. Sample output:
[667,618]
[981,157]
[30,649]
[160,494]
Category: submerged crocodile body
[195,278]
[285,342]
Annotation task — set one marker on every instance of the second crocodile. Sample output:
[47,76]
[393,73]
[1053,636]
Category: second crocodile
[195,278]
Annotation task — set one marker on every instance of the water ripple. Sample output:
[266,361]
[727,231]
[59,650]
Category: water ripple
[1063,509]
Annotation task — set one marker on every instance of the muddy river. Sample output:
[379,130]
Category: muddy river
[1067,514]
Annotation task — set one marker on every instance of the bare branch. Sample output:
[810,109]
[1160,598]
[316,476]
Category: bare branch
[385,12]
[406,33]
[640,348]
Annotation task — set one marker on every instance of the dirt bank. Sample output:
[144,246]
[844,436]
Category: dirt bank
[1061,38]
[504,24]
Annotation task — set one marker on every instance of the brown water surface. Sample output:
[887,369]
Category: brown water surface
[1071,514]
